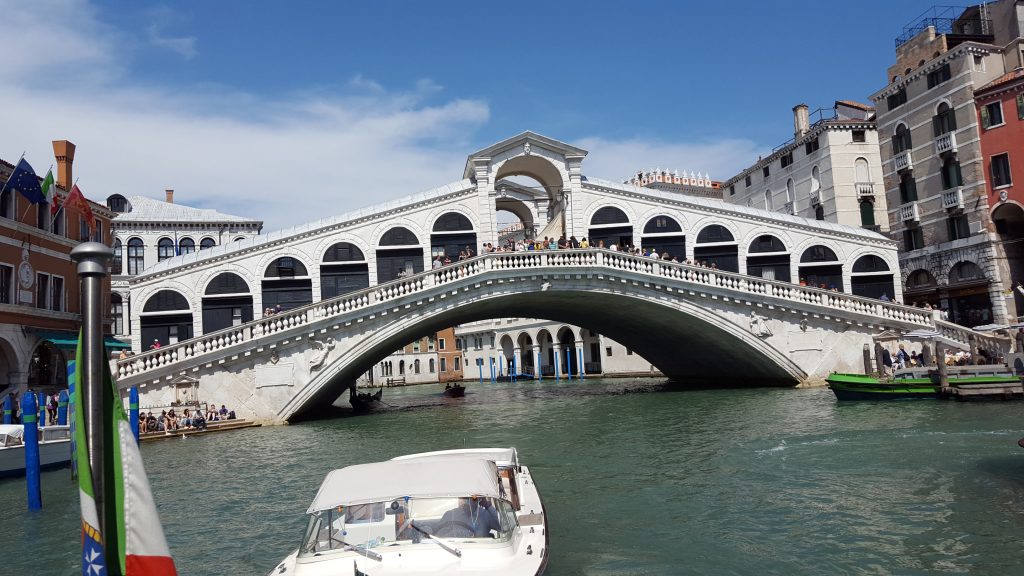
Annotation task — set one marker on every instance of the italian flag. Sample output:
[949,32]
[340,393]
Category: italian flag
[138,544]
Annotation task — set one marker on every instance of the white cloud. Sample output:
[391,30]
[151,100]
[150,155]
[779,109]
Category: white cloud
[185,45]
[286,161]
[617,160]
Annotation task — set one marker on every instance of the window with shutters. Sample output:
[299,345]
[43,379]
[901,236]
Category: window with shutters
[896,100]
[944,120]
[958,228]
[951,174]
[992,115]
[938,76]
[908,188]
[1001,170]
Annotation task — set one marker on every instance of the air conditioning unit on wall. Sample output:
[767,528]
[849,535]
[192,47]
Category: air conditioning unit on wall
[977,227]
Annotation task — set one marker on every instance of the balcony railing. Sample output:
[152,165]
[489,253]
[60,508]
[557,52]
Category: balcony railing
[909,212]
[945,143]
[953,198]
[903,161]
[815,198]
[865,190]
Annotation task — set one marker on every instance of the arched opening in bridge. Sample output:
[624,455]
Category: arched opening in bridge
[568,363]
[227,302]
[344,269]
[1009,220]
[523,206]
[871,277]
[664,234]
[820,268]
[921,288]
[547,193]
[716,246]
[47,369]
[610,225]
[546,356]
[166,318]
[768,258]
[969,302]
[507,352]
[452,235]
[287,283]
[399,252]
[527,357]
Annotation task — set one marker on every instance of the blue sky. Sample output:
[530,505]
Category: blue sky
[248,106]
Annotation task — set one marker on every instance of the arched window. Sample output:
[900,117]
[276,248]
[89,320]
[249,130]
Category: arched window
[920,279]
[766,243]
[343,270]
[872,263]
[164,249]
[609,215]
[815,180]
[115,265]
[136,256]
[117,313]
[768,200]
[285,267]
[944,120]
[227,283]
[186,245]
[901,141]
[344,252]
[861,173]
[662,225]
[207,243]
[416,366]
[790,191]
[965,272]
[117,203]
[399,236]
[714,233]
[820,268]
[452,222]
[818,254]
[431,364]
[165,301]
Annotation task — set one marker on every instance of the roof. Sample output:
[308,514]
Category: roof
[853,104]
[1004,79]
[500,456]
[150,210]
[519,140]
[418,478]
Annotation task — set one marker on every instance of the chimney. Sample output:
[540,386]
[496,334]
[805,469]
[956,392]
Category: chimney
[64,151]
[170,196]
[801,121]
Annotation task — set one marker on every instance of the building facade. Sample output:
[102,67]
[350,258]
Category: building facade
[147,231]
[830,170]
[1000,106]
[933,164]
[39,290]
[427,360]
[666,181]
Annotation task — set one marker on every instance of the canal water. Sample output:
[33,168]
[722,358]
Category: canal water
[638,477]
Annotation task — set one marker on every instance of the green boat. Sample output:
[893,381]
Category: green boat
[915,382]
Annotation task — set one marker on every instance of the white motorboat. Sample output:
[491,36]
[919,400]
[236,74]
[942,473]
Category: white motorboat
[54,448]
[467,512]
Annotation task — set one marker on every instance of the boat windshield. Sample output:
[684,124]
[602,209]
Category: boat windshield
[414,520]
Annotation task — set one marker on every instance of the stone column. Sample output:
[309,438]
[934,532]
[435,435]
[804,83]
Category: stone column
[517,359]
[488,231]
[537,362]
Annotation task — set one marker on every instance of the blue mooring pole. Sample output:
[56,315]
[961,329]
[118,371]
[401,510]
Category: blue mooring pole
[568,363]
[42,409]
[581,370]
[133,411]
[492,369]
[480,366]
[62,408]
[29,411]
[556,363]
[8,410]
[538,374]
[71,418]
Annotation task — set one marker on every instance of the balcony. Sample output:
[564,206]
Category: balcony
[945,143]
[903,161]
[952,199]
[865,190]
[909,212]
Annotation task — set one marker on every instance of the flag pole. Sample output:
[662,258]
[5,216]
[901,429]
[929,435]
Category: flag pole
[57,213]
[92,259]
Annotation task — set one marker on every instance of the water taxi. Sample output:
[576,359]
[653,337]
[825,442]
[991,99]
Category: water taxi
[54,448]
[455,512]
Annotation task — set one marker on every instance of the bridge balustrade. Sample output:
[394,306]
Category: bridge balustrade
[212,343]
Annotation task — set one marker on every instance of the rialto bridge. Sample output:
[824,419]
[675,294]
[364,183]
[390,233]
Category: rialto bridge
[356,287]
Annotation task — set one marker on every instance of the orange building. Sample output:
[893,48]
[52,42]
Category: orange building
[1000,107]
[39,295]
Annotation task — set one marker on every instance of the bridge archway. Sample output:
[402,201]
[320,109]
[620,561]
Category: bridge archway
[536,167]
[820,267]
[227,301]
[768,257]
[399,253]
[717,246]
[610,225]
[166,318]
[664,234]
[452,233]
[287,283]
[344,268]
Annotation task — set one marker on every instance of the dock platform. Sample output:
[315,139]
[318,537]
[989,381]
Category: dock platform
[211,427]
[973,392]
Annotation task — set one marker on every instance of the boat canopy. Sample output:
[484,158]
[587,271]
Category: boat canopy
[500,456]
[11,434]
[417,478]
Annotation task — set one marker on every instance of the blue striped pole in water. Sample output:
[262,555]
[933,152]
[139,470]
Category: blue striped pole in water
[30,411]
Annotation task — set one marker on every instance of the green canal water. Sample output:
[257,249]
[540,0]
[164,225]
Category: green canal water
[637,478]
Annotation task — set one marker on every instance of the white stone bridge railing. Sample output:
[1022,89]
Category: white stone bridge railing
[214,346]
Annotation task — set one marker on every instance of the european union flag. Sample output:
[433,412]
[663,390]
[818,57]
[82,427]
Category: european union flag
[24,180]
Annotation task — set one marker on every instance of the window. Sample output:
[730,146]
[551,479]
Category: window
[767,199]
[944,120]
[43,216]
[819,212]
[97,233]
[236,316]
[430,364]
[939,76]
[861,172]
[6,284]
[951,174]
[859,136]
[786,159]
[901,141]
[896,100]
[913,239]
[765,171]
[440,343]
[444,366]
[207,243]
[57,293]
[416,346]
[492,341]
[416,366]
[790,192]
[732,190]
[1020,106]
[58,223]
[117,313]
[811,147]
[8,208]
[458,363]
[430,343]
[115,265]
[992,115]
[1001,170]
[979,63]
[83,230]
[908,188]
[117,203]
[42,290]
[957,226]
[136,256]
[746,181]
[165,249]
[867,213]
[815,180]
[608,351]
[186,246]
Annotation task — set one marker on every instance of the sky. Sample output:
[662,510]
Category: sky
[293,111]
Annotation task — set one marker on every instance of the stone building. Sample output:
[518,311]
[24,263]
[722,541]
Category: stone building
[934,169]
[830,170]
[430,359]
[666,181]
[40,313]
